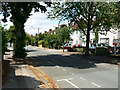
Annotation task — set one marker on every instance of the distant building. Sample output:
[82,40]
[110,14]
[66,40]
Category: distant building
[51,31]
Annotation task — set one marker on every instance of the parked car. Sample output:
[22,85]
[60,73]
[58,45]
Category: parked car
[66,45]
[105,45]
[76,46]
[94,45]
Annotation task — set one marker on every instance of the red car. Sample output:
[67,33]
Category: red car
[76,46]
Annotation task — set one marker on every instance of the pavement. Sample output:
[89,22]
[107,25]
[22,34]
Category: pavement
[57,69]
[11,79]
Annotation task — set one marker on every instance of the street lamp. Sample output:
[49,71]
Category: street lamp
[38,37]
[38,34]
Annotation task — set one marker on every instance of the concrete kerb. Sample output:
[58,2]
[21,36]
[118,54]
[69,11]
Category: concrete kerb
[49,49]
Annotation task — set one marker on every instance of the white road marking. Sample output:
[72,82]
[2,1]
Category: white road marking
[82,78]
[64,69]
[64,79]
[72,84]
[67,80]
[95,84]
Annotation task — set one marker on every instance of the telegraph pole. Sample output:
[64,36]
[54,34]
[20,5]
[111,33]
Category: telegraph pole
[38,37]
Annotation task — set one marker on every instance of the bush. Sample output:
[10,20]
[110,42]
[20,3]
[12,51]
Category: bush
[102,51]
[46,44]
[41,42]
[32,42]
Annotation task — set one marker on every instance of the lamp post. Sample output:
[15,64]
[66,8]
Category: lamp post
[38,37]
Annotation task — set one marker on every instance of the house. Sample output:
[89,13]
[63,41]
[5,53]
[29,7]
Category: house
[111,37]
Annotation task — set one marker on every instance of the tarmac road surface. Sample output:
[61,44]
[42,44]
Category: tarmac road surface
[74,72]
[53,69]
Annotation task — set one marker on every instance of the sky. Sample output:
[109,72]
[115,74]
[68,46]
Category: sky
[37,20]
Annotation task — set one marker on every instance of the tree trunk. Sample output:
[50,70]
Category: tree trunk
[87,43]
[63,45]
[19,51]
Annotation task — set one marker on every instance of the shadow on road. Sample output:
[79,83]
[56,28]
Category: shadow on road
[31,50]
[74,61]
[58,60]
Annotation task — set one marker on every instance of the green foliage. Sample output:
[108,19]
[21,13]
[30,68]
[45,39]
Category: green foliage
[46,44]
[63,34]
[10,34]
[28,39]
[36,40]
[50,39]
[41,42]
[32,42]
[4,39]
[102,51]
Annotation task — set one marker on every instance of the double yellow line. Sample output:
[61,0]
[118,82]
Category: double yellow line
[52,83]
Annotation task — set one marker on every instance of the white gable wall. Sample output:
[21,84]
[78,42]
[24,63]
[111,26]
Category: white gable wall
[78,37]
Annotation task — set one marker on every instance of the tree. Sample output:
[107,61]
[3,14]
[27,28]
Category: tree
[86,15]
[4,39]
[10,34]
[20,12]
[96,31]
[28,39]
[116,19]
[63,34]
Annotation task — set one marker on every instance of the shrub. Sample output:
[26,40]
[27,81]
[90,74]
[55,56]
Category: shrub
[46,44]
[102,51]
[41,42]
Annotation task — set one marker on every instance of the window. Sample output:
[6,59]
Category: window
[104,40]
[76,41]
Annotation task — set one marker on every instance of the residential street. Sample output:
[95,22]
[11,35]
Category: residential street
[63,71]
[60,45]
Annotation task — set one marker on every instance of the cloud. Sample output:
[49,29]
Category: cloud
[39,20]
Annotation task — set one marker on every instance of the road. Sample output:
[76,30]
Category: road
[74,72]
[52,67]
